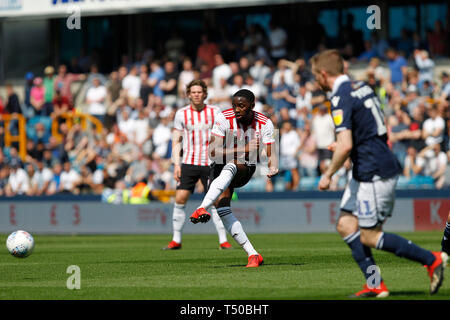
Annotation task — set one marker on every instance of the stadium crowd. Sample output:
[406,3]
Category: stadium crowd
[136,104]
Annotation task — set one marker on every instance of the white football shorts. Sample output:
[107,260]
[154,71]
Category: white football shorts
[371,202]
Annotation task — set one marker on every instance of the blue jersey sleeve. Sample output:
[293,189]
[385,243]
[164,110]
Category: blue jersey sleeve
[341,111]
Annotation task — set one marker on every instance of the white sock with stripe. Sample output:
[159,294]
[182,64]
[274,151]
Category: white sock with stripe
[178,219]
[219,225]
[234,227]
[218,185]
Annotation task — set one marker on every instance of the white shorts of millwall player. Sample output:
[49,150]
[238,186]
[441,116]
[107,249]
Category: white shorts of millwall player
[371,202]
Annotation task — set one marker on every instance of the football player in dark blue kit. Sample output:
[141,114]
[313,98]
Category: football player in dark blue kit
[369,196]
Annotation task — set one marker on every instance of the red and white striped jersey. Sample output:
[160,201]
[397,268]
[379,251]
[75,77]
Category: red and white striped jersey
[226,126]
[196,127]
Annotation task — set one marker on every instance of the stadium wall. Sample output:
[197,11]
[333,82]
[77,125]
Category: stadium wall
[259,213]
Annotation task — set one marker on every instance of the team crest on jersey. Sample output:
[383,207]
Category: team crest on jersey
[338,116]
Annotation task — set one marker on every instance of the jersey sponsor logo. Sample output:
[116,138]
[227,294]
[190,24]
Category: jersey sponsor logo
[338,117]
[198,126]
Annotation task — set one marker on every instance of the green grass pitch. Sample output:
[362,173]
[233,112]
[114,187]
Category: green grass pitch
[296,267]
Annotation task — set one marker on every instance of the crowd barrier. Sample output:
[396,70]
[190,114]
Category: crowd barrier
[287,212]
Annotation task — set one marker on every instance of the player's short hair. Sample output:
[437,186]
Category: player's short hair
[245,93]
[197,82]
[329,61]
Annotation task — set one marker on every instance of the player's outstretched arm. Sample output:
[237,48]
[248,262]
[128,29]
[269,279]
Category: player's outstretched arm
[344,145]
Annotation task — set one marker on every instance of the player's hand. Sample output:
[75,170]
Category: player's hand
[332,146]
[177,173]
[273,171]
[324,183]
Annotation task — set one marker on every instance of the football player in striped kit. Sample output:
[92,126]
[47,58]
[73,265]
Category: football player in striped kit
[190,139]
[240,137]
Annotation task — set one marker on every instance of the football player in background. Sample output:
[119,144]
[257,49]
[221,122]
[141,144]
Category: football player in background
[239,137]
[368,199]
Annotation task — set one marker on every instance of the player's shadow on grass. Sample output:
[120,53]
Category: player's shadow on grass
[265,264]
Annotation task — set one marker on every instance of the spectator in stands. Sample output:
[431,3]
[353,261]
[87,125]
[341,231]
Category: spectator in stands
[280,95]
[412,167]
[64,80]
[278,40]
[49,88]
[399,124]
[309,160]
[323,130]
[143,133]
[285,69]
[145,91]
[397,66]
[55,183]
[86,183]
[289,148]
[12,102]
[155,77]
[113,88]
[60,104]
[28,111]
[95,98]
[132,83]
[433,127]
[206,52]
[94,74]
[41,180]
[69,179]
[220,96]
[18,181]
[137,169]
[238,84]
[425,66]
[220,71]
[259,71]
[126,125]
[37,97]
[412,98]
[42,135]
[368,53]
[433,162]
[186,76]
[168,85]
[161,137]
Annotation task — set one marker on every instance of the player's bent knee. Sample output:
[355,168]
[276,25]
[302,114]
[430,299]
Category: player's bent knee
[346,224]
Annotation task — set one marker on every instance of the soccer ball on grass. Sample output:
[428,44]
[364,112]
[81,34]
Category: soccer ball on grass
[20,244]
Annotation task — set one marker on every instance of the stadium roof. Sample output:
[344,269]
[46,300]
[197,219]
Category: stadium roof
[63,8]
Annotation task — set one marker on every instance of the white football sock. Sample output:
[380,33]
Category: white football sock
[178,219]
[219,225]
[234,227]
[218,185]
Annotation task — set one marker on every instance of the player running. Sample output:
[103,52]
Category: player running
[192,125]
[239,137]
[368,199]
